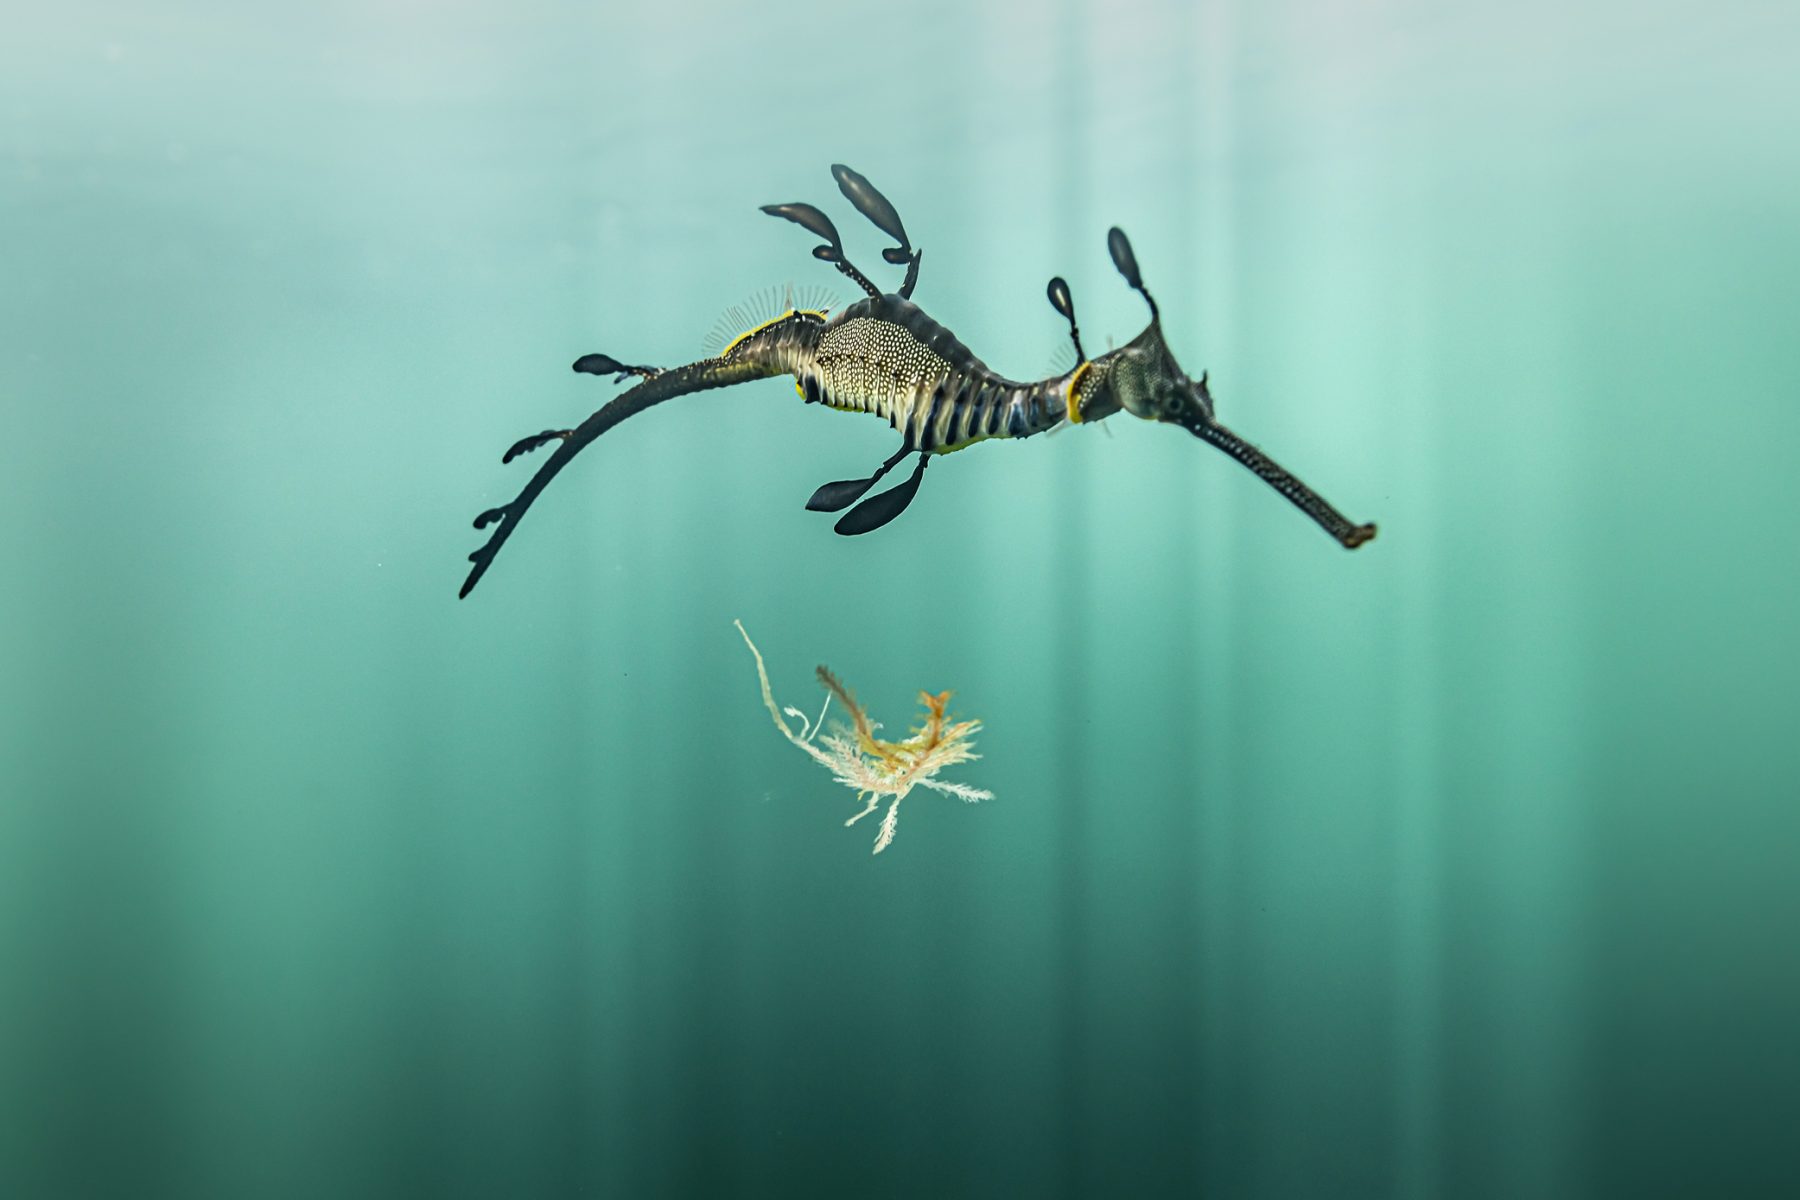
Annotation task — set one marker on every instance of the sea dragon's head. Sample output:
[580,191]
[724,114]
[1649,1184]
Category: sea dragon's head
[1143,378]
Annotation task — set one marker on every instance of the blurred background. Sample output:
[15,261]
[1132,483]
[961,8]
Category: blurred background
[1460,866]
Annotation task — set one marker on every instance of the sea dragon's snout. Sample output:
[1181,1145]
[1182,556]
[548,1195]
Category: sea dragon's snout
[1349,535]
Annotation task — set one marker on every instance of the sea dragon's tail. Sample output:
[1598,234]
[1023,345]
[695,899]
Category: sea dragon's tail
[656,387]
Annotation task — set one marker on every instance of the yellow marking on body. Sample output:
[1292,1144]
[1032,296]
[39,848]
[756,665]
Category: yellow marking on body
[962,445]
[739,339]
[1075,392]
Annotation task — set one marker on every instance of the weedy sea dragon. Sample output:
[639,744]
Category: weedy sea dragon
[884,355]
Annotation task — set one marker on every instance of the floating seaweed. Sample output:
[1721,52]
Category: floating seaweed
[874,767]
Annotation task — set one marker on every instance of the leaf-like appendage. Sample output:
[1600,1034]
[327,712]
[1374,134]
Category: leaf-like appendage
[1120,247]
[873,205]
[526,445]
[807,217]
[600,364]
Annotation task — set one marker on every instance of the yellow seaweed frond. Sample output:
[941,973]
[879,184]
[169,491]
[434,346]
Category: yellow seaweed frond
[859,717]
[932,727]
[872,767]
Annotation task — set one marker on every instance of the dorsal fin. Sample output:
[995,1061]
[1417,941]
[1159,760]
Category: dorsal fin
[768,304]
[1061,358]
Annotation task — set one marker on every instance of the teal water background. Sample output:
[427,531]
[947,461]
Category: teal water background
[1459,866]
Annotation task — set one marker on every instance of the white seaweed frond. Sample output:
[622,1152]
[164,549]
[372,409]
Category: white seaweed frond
[889,823]
[867,808]
[961,791]
[808,730]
